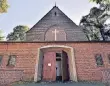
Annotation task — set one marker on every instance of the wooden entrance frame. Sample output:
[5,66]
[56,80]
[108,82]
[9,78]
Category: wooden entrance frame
[71,58]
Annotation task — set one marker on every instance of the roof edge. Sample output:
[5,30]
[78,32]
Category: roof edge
[56,42]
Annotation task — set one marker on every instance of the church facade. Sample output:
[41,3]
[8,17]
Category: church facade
[55,49]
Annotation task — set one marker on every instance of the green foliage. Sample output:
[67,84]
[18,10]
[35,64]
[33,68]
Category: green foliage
[94,22]
[1,36]
[3,6]
[18,34]
[101,1]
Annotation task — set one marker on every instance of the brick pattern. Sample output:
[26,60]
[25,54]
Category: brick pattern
[8,76]
[106,75]
[27,53]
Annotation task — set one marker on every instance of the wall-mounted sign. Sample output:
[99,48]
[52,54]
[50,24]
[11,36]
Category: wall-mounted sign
[49,64]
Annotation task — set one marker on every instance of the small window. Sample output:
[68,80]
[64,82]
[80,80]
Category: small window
[109,58]
[55,14]
[58,54]
[11,60]
[99,60]
[58,59]
[1,59]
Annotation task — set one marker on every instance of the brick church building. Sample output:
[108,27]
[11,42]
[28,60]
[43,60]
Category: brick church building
[55,49]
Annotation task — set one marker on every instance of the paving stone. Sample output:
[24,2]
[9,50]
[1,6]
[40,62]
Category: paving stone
[62,84]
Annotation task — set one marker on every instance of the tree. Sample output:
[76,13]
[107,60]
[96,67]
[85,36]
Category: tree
[107,32]
[94,22]
[3,6]
[101,1]
[18,34]
[1,36]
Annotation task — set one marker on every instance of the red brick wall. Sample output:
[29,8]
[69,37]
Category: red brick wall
[84,56]
[7,76]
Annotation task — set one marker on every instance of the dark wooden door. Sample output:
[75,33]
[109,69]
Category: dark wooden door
[49,66]
[65,72]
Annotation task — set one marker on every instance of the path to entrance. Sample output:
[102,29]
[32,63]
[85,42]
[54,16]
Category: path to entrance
[62,84]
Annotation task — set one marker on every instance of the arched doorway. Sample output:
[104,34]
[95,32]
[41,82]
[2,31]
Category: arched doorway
[51,52]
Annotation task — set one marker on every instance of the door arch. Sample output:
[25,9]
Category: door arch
[71,58]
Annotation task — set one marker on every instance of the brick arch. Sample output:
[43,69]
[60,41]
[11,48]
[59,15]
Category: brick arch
[50,34]
[70,52]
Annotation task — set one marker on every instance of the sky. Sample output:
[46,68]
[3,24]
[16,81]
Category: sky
[29,12]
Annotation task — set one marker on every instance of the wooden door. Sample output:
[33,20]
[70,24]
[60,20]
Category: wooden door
[49,66]
[65,72]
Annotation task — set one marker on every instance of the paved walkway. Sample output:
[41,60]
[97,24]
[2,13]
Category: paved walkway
[61,84]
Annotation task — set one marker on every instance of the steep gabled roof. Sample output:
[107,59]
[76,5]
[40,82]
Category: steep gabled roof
[55,17]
